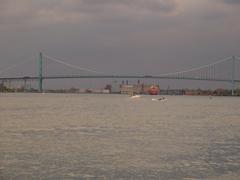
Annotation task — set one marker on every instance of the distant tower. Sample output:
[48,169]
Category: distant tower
[40,71]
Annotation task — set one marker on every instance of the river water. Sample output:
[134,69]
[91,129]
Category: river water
[72,136]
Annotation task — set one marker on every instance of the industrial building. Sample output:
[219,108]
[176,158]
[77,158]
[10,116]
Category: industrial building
[139,89]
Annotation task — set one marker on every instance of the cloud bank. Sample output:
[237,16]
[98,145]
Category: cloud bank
[105,34]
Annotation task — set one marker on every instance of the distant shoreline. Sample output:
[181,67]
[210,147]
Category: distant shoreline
[95,93]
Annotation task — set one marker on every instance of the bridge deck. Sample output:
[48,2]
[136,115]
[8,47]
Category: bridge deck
[115,77]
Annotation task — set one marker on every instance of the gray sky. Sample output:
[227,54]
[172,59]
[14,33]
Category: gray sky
[121,36]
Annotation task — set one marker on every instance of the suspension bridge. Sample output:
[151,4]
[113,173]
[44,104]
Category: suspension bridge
[224,70]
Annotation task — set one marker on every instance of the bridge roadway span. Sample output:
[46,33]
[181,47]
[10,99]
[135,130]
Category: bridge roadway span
[114,77]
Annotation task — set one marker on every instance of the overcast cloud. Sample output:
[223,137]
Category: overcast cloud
[121,36]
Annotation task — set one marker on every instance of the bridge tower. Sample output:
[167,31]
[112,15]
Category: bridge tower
[233,75]
[40,77]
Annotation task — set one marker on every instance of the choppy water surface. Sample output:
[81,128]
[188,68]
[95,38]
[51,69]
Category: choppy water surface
[60,136]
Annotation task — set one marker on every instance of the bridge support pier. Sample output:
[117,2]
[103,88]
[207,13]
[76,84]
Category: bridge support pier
[40,78]
[25,85]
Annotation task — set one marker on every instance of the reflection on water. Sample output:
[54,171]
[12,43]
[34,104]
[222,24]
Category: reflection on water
[59,136]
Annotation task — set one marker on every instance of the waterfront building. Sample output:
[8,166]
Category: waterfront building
[139,89]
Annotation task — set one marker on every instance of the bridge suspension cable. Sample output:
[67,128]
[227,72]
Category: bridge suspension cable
[71,65]
[17,65]
[197,68]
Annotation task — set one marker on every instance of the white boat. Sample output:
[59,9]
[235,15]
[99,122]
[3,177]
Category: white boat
[160,99]
[135,96]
